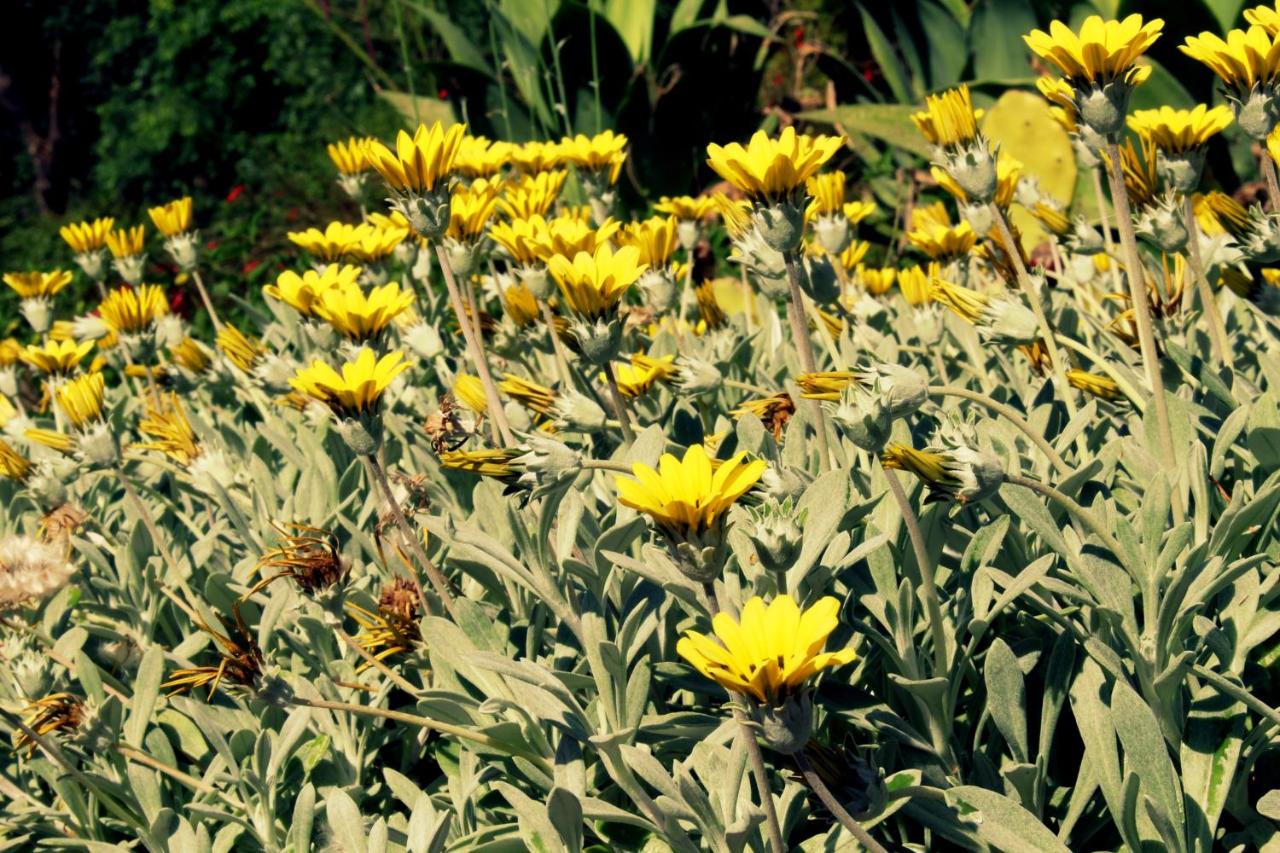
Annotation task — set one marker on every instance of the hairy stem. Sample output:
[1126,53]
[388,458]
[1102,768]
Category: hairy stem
[1212,315]
[804,349]
[1009,414]
[619,404]
[833,805]
[208,303]
[1088,519]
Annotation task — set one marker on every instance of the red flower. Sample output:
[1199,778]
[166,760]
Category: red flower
[443,94]
[236,192]
[211,245]
[291,215]
[249,267]
[177,299]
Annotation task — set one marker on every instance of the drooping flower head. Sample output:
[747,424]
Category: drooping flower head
[771,169]
[13,465]
[686,208]
[686,497]
[172,218]
[770,651]
[358,388]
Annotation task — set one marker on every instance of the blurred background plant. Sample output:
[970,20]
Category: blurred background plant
[112,105]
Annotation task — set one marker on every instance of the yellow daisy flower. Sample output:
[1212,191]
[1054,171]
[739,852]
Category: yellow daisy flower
[568,235]
[1103,51]
[13,465]
[372,244]
[359,316]
[944,242]
[685,497]
[1247,58]
[37,285]
[480,158]
[301,291]
[352,156]
[604,153]
[240,349]
[173,218]
[470,208]
[170,431]
[1178,131]
[421,161]
[531,395]
[521,305]
[469,391]
[1091,383]
[331,244]
[85,237]
[127,242]
[772,168]
[876,281]
[655,239]
[686,208]
[56,358]
[532,195]
[535,156]
[593,284]
[769,652]
[913,281]
[948,119]
[81,399]
[128,311]
[358,388]
[191,355]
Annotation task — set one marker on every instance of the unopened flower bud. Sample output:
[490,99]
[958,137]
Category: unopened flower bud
[833,232]
[695,376]
[901,390]
[461,256]
[776,531]
[1181,170]
[659,289]
[781,225]
[1009,323]
[1084,239]
[577,412]
[424,340]
[547,464]
[862,419]
[1258,113]
[92,263]
[1163,226]
[99,447]
[786,728]
[428,212]
[979,217]
[99,725]
[599,339]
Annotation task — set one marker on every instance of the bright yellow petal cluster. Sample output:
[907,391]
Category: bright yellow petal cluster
[37,285]
[330,244]
[358,316]
[655,239]
[470,209]
[480,158]
[1102,51]
[593,284]
[521,305]
[372,244]
[913,281]
[770,168]
[686,208]
[1178,131]
[301,291]
[770,651]
[190,355]
[469,391]
[531,395]
[534,157]
[943,241]
[13,465]
[240,349]
[358,388]
[127,242]
[128,311]
[605,153]
[352,156]
[532,195]
[641,373]
[1102,387]
[1246,59]
[735,214]
[877,281]
[420,161]
[483,463]
[81,399]
[568,235]
[686,496]
[85,237]
[173,218]
[827,192]
[948,119]
[56,357]
[170,431]
[10,352]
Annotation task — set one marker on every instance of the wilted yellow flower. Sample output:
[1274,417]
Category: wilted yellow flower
[772,168]
[1177,131]
[914,284]
[521,305]
[358,388]
[190,355]
[1246,59]
[127,242]
[655,239]
[49,714]
[13,465]
[420,161]
[127,311]
[534,157]
[81,398]
[876,281]
[352,156]
[480,158]
[944,242]
[592,285]
[469,391]
[713,316]
[37,285]
[532,195]
[1219,213]
[773,411]
[56,357]
[1103,51]
[948,119]
[52,439]
[242,350]
[359,316]
[173,218]
[686,208]
[1092,383]
[301,291]
[603,153]
[482,463]
[771,651]
[170,431]
[685,497]
[470,208]
[824,384]
[531,395]
[85,237]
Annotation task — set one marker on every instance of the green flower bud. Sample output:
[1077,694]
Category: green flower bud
[776,531]
[461,256]
[786,728]
[1103,108]
[99,728]
[833,232]
[547,464]
[428,212]
[901,390]
[694,376]
[1258,113]
[424,339]
[577,412]
[1162,225]
[659,289]
[600,340]
[979,217]
[1181,171]
[863,419]
[781,225]
[1008,322]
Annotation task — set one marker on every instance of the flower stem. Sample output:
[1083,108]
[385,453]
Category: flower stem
[804,348]
[557,346]
[204,297]
[1085,517]
[833,805]
[1101,198]
[476,350]
[606,465]
[619,404]
[748,737]
[1009,414]
[928,584]
[1273,187]
[438,581]
[1141,310]
[1212,316]
[1058,366]
[398,679]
